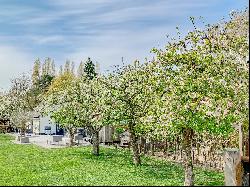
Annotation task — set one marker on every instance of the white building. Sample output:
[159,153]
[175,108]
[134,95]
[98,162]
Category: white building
[44,125]
[106,134]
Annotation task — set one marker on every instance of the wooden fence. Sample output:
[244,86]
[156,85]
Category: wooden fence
[208,153]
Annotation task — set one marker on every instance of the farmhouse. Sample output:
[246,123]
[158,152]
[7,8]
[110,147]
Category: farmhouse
[43,125]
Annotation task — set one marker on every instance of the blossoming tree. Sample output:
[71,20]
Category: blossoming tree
[206,78]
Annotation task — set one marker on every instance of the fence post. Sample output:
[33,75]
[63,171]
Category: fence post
[233,168]
[240,140]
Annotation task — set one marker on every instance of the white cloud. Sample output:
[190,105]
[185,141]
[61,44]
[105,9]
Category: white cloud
[46,39]
[144,11]
[102,12]
[109,48]
[13,62]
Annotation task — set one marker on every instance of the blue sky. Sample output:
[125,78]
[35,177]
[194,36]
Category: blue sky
[104,30]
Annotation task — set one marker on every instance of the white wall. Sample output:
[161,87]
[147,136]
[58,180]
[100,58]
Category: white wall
[46,121]
[36,128]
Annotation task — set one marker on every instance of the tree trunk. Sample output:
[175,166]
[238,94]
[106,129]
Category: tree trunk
[22,132]
[166,148]
[135,149]
[188,163]
[142,145]
[71,136]
[22,129]
[145,147]
[95,138]
[152,147]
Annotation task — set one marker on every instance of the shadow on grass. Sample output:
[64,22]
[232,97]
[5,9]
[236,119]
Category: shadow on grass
[150,168]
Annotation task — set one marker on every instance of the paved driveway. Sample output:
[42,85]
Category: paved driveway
[46,141]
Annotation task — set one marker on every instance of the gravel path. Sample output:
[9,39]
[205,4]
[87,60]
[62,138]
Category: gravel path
[46,141]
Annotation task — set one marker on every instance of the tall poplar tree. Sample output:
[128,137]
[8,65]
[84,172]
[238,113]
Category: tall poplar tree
[67,68]
[60,70]
[36,72]
[53,68]
[80,70]
[72,68]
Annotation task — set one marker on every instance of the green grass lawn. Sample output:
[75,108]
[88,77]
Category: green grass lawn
[33,165]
